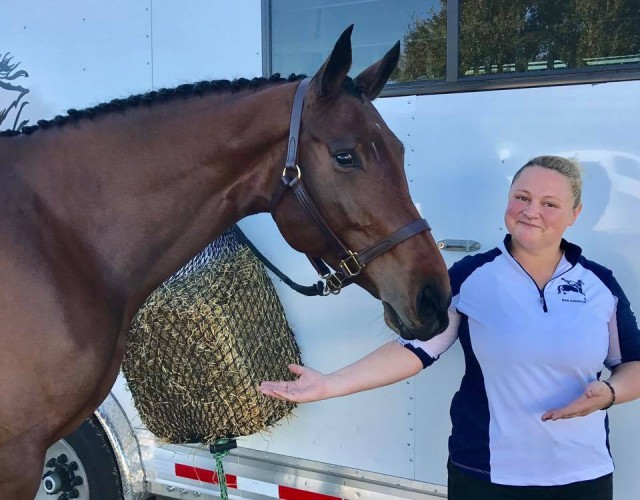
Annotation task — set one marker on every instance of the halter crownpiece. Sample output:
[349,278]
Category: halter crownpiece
[351,263]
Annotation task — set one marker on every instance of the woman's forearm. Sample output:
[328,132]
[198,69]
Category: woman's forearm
[625,379]
[386,365]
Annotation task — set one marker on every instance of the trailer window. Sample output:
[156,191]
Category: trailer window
[303,33]
[523,36]
[462,45]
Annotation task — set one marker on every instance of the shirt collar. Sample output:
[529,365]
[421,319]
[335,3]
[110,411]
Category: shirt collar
[571,251]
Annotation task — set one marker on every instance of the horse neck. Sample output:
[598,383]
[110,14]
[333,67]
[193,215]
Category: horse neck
[145,191]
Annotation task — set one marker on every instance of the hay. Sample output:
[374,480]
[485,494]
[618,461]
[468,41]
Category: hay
[202,343]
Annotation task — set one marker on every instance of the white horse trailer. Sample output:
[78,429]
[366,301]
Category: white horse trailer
[463,139]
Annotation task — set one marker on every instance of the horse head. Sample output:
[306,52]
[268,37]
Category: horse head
[353,168]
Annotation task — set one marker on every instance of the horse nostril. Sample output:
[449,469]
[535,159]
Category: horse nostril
[443,323]
[432,306]
[431,299]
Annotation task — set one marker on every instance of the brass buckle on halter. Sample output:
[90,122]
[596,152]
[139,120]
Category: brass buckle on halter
[332,284]
[351,262]
[298,173]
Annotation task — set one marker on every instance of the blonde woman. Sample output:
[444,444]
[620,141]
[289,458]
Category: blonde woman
[537,322]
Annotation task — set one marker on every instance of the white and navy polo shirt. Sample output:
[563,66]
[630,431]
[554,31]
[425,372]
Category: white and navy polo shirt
[527,351]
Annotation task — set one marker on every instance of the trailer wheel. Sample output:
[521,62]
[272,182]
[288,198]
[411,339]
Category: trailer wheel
[81,466]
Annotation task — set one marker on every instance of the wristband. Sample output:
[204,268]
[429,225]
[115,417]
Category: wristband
[613,394]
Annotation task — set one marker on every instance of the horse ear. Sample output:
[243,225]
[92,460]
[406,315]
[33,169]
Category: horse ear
[330,76]
[373,79]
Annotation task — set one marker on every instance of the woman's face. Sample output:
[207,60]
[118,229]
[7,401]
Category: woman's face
[540,209]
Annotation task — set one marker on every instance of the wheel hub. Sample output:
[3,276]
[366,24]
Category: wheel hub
[61,478]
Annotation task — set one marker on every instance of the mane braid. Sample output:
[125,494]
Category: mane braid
[165,95]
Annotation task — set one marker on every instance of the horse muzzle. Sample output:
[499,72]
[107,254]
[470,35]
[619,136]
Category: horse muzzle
[431,312]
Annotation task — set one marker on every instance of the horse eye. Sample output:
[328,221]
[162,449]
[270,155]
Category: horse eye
[345,160]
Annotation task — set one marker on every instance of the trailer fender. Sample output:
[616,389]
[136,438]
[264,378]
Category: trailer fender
[126,448]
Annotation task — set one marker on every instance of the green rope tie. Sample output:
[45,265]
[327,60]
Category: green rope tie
[218,456]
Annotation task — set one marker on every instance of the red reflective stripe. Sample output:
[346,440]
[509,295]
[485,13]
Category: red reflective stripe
[204,475]
[287,493]
[209,476]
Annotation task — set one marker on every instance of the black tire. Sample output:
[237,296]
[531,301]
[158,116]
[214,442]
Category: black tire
[97,460]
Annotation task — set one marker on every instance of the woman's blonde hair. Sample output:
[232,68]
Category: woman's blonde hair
[565,166]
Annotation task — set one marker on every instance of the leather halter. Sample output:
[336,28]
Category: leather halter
[351,263]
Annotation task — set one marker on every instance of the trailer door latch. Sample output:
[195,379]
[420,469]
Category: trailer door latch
[459,245]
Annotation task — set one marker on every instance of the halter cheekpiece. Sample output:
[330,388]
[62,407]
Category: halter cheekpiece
[351,263]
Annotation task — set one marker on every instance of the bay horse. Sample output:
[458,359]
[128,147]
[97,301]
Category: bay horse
[100,206]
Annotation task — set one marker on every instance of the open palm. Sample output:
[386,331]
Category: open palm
[309,386]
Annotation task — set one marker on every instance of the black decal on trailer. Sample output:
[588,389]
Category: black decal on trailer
[8,74]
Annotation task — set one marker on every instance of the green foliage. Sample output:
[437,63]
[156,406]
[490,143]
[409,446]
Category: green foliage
[498,36]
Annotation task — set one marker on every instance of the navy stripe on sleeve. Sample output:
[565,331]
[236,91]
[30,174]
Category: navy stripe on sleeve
[628,332]
[424,357]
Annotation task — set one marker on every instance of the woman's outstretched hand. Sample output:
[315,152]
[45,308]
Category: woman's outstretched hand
[310,386]
[389,363]
[595,397]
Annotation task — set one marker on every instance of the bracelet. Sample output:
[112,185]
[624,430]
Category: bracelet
[613,394]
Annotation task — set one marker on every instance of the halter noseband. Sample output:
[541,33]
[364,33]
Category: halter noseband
[351,263]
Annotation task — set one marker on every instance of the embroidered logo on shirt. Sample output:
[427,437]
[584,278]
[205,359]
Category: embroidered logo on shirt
[572,287]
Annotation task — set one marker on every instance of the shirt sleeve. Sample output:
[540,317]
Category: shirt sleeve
[430,350]
[624,335]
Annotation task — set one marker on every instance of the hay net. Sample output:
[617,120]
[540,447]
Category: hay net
[202,343]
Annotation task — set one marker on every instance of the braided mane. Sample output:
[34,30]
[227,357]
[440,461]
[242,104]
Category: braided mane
[153,97]
[165,95]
